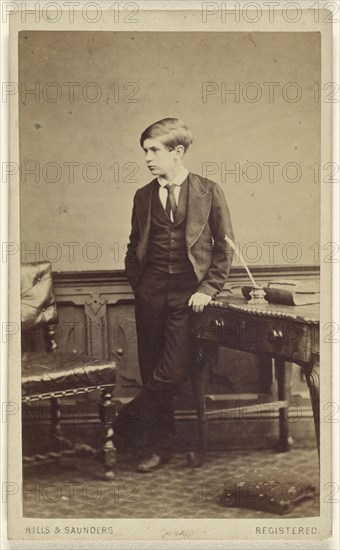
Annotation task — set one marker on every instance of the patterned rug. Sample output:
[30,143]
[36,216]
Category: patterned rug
[74,489]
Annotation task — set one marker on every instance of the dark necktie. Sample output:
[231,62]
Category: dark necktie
[171,205]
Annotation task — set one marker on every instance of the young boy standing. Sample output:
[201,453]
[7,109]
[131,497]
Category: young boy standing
[177,260]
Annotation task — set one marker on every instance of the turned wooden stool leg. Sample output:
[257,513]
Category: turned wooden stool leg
[108,450]
[58,442]
[55,427]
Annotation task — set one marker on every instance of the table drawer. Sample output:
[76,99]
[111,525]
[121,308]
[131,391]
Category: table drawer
[278,337]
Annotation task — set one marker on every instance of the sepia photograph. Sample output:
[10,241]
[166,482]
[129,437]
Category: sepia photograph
[170,257]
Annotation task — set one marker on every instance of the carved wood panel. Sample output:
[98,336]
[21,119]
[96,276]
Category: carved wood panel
[96,316]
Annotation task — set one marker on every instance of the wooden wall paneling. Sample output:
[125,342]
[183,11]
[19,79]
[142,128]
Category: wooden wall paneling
[96,316]
[123,340]
[71,334]
[96,325]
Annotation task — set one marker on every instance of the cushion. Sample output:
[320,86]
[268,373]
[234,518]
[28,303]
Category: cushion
[38,304]
[270,490]
[62,373]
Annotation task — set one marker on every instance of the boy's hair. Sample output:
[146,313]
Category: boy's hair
[171,131]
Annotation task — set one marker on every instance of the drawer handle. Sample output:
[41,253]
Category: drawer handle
[276,334]
[217,324]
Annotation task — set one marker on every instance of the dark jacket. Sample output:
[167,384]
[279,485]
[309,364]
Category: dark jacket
[207,223]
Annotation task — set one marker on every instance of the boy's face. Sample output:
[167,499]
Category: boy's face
[159,159]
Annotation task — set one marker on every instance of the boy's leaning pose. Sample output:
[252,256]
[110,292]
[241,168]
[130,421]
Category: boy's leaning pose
[177,260]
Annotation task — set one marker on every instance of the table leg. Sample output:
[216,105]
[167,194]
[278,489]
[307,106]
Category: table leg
[312,374]
[283,382]
[196,458]
[205,352]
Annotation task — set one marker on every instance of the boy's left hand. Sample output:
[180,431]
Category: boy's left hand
[198,301]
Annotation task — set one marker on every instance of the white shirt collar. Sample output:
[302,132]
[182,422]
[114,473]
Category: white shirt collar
[178,180]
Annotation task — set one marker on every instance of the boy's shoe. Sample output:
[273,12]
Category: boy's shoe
[151,463]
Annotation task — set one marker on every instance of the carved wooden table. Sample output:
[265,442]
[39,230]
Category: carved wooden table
[285,333]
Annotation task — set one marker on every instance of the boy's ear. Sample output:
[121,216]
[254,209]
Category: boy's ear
[180,150]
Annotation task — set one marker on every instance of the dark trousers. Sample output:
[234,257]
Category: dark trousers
[165,351]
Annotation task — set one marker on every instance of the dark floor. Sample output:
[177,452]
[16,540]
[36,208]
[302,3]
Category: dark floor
[74,489]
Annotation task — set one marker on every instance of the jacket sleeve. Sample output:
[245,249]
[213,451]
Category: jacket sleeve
[131,260]
[222,252]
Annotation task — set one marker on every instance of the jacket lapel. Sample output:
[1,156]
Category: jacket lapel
[143,207]
[199,204]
